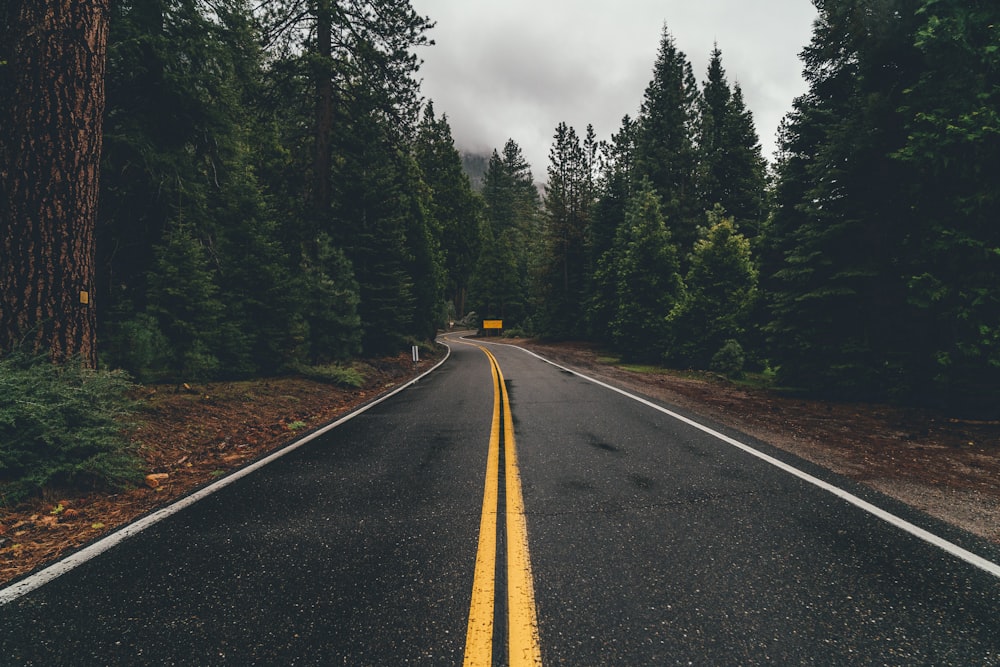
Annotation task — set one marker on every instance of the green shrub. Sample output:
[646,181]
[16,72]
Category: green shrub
[342,376]
[515,332]
[138,345]
[729,360]
[62,427]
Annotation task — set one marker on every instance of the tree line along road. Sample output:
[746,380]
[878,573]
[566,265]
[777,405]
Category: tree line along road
[604,529]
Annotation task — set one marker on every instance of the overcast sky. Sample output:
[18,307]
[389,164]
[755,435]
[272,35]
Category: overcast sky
[516,68]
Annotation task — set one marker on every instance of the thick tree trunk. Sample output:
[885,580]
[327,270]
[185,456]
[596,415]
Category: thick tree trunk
[51,179]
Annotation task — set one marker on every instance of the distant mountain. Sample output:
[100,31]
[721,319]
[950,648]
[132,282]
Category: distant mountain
[475,165]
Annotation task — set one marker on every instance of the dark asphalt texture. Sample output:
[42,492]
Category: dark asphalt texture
[651,542]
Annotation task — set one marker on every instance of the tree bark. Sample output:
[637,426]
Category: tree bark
[51,177]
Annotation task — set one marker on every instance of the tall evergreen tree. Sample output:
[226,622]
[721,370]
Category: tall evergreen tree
[665,148]
[732,171]
[353,63]
[183,297]
[952,244]
[568,202]
[721,290]
[454,206]
[614,189]
[839,321]
[373,207]
[343,42]
[328,322]
[511,209]
[495,287]
[645,267]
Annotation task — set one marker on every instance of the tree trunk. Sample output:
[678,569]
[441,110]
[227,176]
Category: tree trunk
[51,179]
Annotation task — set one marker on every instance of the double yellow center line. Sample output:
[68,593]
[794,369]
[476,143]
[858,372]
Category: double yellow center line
[522,622]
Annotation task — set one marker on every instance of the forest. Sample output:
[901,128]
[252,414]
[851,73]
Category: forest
[864,264]
[201,190]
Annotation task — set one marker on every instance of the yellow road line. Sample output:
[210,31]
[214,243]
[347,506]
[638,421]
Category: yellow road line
[479,634]
[522,621]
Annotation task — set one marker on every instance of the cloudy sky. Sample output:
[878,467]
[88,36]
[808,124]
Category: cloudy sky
[516,68]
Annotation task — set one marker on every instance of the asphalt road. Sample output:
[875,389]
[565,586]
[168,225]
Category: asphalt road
[650,541]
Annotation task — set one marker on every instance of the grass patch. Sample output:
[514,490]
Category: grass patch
[642,368]
[335,374]
[763,380]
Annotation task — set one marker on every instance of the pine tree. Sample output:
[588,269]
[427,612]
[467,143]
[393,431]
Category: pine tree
[615,186]
[665,147]
[495,288]
[511,214]
[371,218]
[952,246]
[568,200]
[340,44]
[331,323]
[425,261]
[839,321]
[350,67]
[181,143]
[645,267]
[731,168]
[721,290]
[183,297]
[454,206]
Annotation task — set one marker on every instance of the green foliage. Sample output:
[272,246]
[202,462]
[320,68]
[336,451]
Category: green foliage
[644,265]
[731,170]
[138,346]
[665,146]
[838,320]
[499,285]
[387,233]
[183,297]
[495,288]
[180,141]
[62,427]
[952,116]
[729,359]
[614,189]
[721,290]
[271,199]
[221,257]
[331,296]
[516,332]
[564,271]
[890,291]
[335,374]
[455,208]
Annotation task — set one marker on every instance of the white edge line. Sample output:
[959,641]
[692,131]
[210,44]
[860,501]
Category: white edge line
[950,547]
[62,566]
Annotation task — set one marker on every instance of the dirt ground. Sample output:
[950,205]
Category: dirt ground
[190,436]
